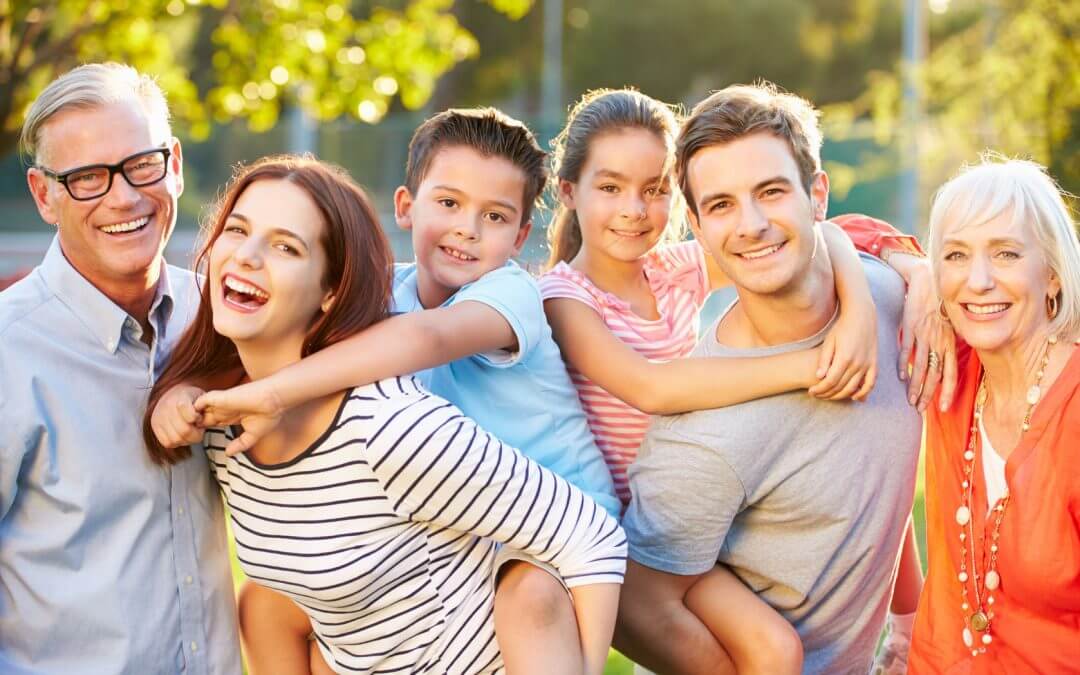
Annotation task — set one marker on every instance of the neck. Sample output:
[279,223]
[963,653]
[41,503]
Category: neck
[1011,371]
[430,294]
[792,314]
[264,358]
[607,273]
[134,293]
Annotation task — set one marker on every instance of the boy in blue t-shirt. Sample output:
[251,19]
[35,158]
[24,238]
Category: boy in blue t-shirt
[470,322]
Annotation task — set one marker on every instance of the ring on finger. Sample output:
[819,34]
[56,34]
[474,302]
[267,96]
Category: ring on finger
[934,360]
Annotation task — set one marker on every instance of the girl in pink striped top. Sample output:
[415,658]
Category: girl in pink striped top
[623,301]
[623,298]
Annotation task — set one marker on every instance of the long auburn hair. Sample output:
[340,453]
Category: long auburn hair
[359,271]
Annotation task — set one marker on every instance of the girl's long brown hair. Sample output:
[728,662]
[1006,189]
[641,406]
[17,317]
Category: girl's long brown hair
[359,270]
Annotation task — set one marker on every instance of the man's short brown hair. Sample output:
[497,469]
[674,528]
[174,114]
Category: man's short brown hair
[741,110]
[488,131]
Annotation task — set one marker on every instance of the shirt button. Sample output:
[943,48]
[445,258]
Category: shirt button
[111,345]
[187,580]
[194,646]
[180,510]
[874,246]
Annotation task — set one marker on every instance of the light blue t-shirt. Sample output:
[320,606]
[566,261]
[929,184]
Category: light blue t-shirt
[525,398]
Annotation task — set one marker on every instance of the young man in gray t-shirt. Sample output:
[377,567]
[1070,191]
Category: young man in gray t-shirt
[806,501]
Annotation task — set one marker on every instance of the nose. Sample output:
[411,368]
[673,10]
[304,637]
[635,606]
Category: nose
[633,207]
[249,253]
[121,195]
[467,227]
[752,222]
[980,274]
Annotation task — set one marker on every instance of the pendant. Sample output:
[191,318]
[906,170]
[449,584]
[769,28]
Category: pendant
[979,621]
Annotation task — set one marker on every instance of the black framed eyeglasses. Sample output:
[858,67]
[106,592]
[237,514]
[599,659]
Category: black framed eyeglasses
[90,182]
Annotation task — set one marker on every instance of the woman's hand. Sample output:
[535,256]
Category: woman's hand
[254,406]
[924,331]
[175,421]
[847,362]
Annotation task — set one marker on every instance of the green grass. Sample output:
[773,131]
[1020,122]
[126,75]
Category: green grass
[617,663]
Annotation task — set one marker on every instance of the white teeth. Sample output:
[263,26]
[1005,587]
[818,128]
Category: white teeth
[458,254]
[129,226]
[240,287]
[987,309]
[626,233]
[761,253]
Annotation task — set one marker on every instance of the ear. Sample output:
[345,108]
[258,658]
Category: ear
[39,185]
[819,196]
[522,237]
[1054,287]
[566,193]
[695,227]
[327,302]
[403,200]
[176,158]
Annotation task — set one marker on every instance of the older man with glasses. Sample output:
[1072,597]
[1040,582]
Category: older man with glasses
[109,563]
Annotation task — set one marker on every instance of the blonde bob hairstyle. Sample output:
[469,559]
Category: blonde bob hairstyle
[981,192]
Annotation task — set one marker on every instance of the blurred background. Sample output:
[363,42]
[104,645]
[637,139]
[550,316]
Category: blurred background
[909,89]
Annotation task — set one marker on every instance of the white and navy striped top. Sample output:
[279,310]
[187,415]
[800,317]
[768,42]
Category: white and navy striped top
[384,530]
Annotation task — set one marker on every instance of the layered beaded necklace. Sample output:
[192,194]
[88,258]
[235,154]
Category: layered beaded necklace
[977,622]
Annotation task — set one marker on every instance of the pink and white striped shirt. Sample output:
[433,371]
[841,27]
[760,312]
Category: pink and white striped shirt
[679,280]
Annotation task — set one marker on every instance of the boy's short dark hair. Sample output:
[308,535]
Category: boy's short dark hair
[487,131]
[741,110]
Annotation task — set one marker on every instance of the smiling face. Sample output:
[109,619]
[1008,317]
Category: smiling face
[466,219]
[116,239]
[266,268]
[623,196]
[754,215]
[994,283]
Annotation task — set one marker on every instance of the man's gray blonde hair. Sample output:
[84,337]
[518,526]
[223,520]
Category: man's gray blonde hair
[90,86]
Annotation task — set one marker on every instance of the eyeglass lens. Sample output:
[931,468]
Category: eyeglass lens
[139,171]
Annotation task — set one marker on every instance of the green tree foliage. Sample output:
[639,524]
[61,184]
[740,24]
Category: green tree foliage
[1007,79]
[225,59]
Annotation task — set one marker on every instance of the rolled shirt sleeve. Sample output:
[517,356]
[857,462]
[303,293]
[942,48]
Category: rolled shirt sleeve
[512,293]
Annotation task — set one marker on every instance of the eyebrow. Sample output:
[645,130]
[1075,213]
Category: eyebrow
[283,231]
[759,186]
[997,241]
[608,173]
[510,206]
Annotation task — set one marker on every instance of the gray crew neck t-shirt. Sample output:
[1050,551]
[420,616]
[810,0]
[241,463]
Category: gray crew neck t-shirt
[805,500]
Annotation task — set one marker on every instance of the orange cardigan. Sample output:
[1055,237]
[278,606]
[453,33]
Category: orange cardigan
[1036,627]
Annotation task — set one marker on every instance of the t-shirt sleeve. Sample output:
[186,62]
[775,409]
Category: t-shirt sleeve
[684,498]
[437,466]
[875,236]
[686,265]
[556,285]
[512,293]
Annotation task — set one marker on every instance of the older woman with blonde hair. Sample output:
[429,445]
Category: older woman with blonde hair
[1002,592]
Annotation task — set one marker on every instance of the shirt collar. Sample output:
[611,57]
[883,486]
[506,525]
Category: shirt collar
[102,317]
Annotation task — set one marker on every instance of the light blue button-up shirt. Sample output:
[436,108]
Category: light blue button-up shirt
[108,562]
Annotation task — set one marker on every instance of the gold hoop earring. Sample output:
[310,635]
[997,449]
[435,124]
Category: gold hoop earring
[941,311]
[1052,307]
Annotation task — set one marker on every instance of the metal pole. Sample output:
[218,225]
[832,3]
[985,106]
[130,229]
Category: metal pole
[551,103]
[302,131]
[914,52]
